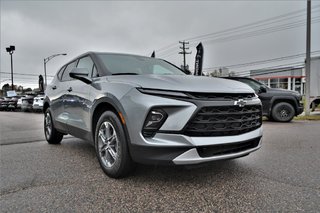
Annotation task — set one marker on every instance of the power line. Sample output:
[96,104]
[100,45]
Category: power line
[262,61]
[257,24]
[264,31]
[24,74]
[250,25]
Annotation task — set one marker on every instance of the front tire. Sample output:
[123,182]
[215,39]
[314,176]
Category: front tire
[52,135]
[283,112]
[112,147]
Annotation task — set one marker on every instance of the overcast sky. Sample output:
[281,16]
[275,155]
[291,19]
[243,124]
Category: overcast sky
[39,29]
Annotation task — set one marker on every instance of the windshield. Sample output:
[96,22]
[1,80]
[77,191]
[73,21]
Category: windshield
[139,65]
[255,85]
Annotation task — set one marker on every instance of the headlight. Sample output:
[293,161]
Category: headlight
[162,92]
[156,117]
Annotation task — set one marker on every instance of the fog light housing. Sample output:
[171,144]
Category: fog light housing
[153,122]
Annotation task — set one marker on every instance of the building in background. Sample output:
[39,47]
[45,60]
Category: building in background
[290,78]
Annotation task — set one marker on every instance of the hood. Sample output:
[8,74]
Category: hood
[283,91]
[186,83]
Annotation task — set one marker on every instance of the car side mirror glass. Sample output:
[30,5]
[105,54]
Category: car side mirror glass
[81,74]
[262,89]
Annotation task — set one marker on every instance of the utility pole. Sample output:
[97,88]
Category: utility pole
[308,59]
[184,52]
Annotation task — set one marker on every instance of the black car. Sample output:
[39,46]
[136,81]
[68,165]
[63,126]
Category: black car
[5,103]
[278,104]
[12,103]
[1,101]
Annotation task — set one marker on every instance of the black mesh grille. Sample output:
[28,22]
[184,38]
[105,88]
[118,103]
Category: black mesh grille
[220,96]
[224,120]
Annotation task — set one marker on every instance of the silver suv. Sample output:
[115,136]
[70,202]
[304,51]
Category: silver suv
[137,109]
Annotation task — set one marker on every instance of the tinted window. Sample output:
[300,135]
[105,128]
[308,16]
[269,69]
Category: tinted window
[86,62]
[138,64]
[65,76]
[253,84]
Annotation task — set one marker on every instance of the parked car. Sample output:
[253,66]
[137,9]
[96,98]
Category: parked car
[38,103]
[12,104]
[277,104]
[146,110]
[27,104]
[1,101]
[19,102]
[5,103]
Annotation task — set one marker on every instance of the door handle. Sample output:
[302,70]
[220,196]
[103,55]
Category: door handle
[70,89]
[54,87]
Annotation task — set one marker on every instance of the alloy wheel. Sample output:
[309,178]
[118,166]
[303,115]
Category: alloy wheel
[48,125]
[108,143]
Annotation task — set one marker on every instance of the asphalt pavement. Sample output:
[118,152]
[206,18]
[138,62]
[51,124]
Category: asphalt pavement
[284,175]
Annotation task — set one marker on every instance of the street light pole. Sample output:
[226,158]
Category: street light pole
[45,72]
[10,50]
[12,87]
[45,61]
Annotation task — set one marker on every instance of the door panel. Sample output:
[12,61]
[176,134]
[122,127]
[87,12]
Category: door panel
[77,108]
[57,105]
[59,88]
[78,104]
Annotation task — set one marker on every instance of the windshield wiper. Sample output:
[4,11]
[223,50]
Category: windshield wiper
[125,73]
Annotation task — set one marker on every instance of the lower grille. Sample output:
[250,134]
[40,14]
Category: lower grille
[224,149]
[224,120]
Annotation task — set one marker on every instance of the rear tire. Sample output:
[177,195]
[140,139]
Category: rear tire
[112,146]
[283,112]
[52,135]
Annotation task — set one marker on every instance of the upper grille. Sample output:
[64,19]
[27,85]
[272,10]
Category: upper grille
[224,120]
[220,96]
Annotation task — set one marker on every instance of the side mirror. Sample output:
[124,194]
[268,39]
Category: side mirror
[81,74]
[188,72]
[262,90]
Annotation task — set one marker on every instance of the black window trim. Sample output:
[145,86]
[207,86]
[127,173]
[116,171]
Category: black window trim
[76,60]
[61,71]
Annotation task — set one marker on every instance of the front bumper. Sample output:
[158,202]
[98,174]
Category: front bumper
[194,154]
[170,145]
[26,107]
[299,109]
[37,107]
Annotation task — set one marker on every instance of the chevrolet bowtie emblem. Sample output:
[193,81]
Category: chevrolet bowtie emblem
[240,103]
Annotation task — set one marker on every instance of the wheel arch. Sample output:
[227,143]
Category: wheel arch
[108,104]
[289,100]
[46,105]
